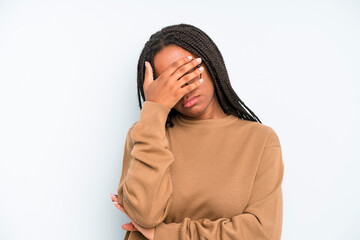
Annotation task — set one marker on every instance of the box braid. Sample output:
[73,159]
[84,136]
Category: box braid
[199,43]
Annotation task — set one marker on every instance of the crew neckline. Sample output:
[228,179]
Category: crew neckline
[212,122]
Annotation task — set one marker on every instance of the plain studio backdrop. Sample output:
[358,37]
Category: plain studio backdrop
[68,97]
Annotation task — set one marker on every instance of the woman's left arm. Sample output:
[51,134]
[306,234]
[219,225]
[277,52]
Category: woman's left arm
[261,219]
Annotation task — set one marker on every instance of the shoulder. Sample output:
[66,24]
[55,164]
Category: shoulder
[260,131]
[271,137]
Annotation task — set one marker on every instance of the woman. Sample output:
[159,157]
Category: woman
[198,164]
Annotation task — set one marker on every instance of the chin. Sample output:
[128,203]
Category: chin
[192,111]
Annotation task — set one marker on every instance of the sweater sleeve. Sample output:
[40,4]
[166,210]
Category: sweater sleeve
[261,219]
[145,186]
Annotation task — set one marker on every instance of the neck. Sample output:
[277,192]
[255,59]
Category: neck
[214,111]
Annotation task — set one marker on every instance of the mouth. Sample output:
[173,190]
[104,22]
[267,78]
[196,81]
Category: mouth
[189,99]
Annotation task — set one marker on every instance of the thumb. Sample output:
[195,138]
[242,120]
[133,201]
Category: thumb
[149,78]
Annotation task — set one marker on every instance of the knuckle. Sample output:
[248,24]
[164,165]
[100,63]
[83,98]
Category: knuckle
[195,85]
[190,87]
[185,59]
[197,72]
[192,75]
[174,66]
[182,71]
[186,78]
[181,62]
[177,64]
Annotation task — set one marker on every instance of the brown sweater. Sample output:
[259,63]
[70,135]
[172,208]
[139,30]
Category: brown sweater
[202,179]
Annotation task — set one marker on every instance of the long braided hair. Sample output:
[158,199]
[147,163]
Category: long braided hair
[199,43]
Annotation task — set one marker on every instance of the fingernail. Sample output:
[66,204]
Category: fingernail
[190,57]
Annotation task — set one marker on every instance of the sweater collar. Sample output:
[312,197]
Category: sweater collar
[216,122]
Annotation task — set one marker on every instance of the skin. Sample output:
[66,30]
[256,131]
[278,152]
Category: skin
[176,80]
[207,106]
[133,226]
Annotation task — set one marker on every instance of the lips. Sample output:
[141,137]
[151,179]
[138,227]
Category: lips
[188,100]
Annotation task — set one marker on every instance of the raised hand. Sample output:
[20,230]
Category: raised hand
[172,84]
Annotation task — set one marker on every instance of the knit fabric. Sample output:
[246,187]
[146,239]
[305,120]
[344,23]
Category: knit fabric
[216,179]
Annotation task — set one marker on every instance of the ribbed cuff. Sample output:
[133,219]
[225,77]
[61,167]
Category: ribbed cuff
[167,231]
[154,114]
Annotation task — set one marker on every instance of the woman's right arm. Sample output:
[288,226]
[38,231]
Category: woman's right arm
[145,186]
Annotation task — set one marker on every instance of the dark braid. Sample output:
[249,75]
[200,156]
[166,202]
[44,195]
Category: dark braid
[200,44]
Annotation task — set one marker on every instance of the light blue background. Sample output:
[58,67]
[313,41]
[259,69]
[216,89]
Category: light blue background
[68,97]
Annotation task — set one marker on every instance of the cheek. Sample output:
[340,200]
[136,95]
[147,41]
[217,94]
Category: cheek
[207,87]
